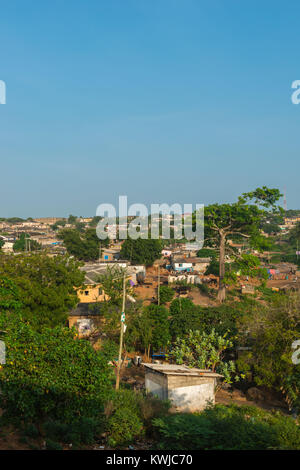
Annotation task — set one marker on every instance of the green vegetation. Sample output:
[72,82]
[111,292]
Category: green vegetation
[44,286]
[229,428]
[141,251]
[166,294]
[23,245]
[58,387]
[148,327]
[84,246]
[270,331]
[184,317]
[59,224]
[50,374]
[204,351]
[237,220]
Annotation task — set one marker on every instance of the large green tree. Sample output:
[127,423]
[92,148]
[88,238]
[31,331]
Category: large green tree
[24,243]
[185,316]
[45,286]
[270,331]
[141,251]
[148,327]
[240,220]
[84,246]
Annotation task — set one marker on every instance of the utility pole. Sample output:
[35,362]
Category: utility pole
[121,333]
[158,286]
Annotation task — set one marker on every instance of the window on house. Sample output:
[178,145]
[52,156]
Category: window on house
[86,292]
[100,291]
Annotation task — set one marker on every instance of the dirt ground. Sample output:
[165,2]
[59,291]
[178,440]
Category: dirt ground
[148,291]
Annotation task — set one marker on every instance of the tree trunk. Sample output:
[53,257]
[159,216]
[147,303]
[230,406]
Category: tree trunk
[222,288]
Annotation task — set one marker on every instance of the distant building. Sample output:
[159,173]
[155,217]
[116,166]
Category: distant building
[190,264]
[7,247]
[48,220]
[91,293]
[184,277]
[85,319]
[166,253]
[110,254]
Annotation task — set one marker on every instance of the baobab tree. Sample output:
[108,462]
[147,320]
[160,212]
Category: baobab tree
[240,219]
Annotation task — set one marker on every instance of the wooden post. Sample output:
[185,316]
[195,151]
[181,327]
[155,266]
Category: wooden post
[121,333]
[158,286]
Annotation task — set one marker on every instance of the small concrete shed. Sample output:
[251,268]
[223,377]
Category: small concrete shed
[188,389]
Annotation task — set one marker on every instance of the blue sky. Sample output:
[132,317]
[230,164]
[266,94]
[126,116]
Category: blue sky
[160,100]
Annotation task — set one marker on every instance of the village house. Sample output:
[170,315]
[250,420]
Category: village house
[110,254]
[184,277]
[190,264]
[85,316]
[84,319]
[166,253]
[91,293]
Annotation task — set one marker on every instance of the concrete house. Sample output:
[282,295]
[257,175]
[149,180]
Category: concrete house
[85,319]
[110,254]
[166,253]
[190,264]
[188,389]
[188,278]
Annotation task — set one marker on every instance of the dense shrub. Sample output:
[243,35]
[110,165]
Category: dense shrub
[81,431]
[166,294]
[205,351]
[51,374]
[185,316]
[43,285]
[152,407]
[124,421]
[109,350]
[53,445]
[227,427]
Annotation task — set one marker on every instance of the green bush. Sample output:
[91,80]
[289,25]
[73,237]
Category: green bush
[123,427]
[30,430]
[227,427]
[124,422]
[51,374]
[204,289]
[52,445]
[152,407]
[81,431]
[166,294]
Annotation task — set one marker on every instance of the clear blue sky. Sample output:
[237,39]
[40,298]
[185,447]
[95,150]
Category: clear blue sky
[161,100]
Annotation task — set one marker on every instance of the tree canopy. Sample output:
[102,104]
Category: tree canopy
[141,251]
[84,246]
[44,286]
[241,220]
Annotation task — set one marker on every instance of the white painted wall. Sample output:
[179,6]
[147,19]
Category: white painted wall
[193,398]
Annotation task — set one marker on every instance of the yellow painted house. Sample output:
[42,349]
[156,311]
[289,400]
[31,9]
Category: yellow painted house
[91,293]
